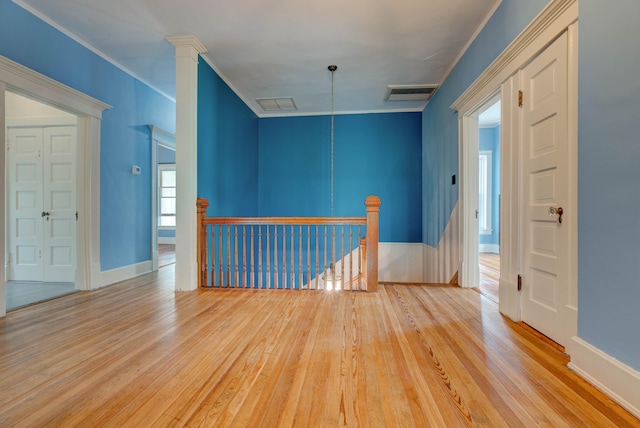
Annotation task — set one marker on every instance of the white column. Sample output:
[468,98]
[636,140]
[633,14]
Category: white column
[187,50]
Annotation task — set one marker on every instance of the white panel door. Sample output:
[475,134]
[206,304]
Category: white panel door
[545,190]
[42,207]
[25,204]
[59,238]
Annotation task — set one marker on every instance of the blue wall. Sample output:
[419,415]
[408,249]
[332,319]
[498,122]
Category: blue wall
[440,123]
[227,148]
[125,199]
[490,140]
[609,178]
[375,154]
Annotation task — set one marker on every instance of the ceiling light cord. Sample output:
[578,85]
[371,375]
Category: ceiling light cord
[332,68]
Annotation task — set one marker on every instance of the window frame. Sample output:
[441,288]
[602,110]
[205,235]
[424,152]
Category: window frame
[162,168]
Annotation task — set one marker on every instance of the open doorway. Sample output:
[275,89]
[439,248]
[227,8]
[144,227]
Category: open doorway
[489,199]
[41,205]
[163,197]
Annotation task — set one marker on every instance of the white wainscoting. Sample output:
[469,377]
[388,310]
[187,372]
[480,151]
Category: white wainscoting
[440,264]
[614,378]
[112,276]
[400,262]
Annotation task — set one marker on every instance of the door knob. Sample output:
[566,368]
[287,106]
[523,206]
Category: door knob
[46,214]
[556,211]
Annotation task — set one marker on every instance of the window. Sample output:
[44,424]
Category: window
[484,197]
[167,195]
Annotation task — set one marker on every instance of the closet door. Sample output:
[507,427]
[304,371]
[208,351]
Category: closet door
[42,204]
[25,204]
[545,191]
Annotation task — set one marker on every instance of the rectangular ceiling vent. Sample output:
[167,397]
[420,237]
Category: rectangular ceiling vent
[409,92]
[276,104]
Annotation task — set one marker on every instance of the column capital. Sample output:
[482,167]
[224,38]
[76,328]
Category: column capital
[189,44]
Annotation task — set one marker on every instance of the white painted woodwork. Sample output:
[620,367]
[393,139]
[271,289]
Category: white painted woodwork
[59,239]
[3,270]
[25,184]
[159,137]
[42,179]
[440,264]
[554,19]
[611,376]
[187,50]
[89,111]
[545,185]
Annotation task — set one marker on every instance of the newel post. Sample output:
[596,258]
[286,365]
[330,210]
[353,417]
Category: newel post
[373,212]
[201,233]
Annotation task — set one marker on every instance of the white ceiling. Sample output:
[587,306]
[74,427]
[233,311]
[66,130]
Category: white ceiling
[281,48]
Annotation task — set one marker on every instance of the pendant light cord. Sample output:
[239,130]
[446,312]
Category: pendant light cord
[332,135]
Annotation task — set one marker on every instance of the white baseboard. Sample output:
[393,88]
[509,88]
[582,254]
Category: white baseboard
[614,378]
[166,240]
[489,248]
[112,276]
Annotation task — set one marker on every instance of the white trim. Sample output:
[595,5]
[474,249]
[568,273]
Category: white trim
[554,19]
[440,264]
[159,137]
[187,52]
[166,240]
[486,157]
[489,248]
[86,45]
[470,41]
[3,225]
[28,122]
[24,81]
[614,378]
[468,143]
[109,277]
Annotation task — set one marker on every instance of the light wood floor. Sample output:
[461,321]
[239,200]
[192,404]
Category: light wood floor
[166,254]
[490,275]
[138,354]
[25,293]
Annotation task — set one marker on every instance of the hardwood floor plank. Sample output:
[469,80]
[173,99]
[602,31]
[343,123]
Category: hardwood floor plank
[139,354]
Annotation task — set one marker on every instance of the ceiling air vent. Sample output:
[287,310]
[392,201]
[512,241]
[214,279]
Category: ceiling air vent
[409,92]
[276,104]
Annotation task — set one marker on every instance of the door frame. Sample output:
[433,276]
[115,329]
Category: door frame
[24,81]
[555,18]
[159,137]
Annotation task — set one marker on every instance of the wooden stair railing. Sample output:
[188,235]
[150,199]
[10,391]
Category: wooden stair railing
[288,252]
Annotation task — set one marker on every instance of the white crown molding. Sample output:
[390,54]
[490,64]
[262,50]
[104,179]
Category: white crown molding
[187,41]
[469,42]
[38,86]
[88,46]
[550,18]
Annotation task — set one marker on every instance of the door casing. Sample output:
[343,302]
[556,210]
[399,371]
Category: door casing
[555,19]
[22,80]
